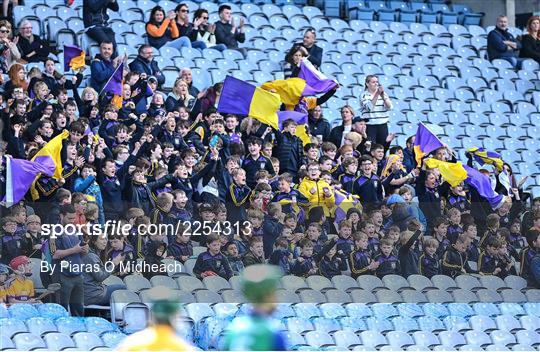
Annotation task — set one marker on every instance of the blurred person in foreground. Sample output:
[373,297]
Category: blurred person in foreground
[255,332]
[160,335]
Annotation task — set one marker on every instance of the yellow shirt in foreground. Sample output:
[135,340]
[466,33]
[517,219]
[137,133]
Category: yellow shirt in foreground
[155,338]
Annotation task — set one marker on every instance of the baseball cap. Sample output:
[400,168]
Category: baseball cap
[152,78]
[359,119]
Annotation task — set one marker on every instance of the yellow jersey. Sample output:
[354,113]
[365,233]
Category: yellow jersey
[20,288]
[155,338]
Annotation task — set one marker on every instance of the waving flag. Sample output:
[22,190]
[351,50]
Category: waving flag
[315,80]
[453,173]
[242,98]
[114,85]
[344,201]
[301,119]
[425,142]
[483,156]
[73,58]
[482,183]
[20,174]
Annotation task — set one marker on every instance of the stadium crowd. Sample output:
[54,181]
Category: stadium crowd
[347,200]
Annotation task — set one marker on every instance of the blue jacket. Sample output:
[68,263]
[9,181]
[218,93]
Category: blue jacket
[100,72]
[496,49]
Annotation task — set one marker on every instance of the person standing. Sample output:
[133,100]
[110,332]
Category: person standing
[96,20]
[375,104]
[161,334]
[255,332]
[68,248]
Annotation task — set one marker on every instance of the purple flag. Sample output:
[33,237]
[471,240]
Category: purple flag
[298,117]
[482,184]
[20,174]
[114,85]
[316,82]
[425,142]
[73,53]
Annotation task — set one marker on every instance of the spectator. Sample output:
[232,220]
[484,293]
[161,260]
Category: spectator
[187,29]
[95,291]
[255,254]
[145,63]
[292,61]
[318,125]
[17,84]
[315,52]
[9,52]
[212,262]
[33,48]
[501,44]
[96,20]
[187,76]
[20,289]
[337,135]
[226,31]
[205,31]
[179,96]
[103,66]
[375,104]
[70,249]
[530,42]
[162,31]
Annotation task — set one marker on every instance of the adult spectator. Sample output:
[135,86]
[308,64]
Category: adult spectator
[409,161]
[293,59]
[375,104]
[338,132]
[501,44]
[185,28]
[9,53]
[530,43]
[95,292]
[103,66]
[315,52]
[206,31]
[179,97]
[163,31]
[226,31]
[97,21]
[318,125]
[187,76]
[33,48]
[68,247]
[145,63]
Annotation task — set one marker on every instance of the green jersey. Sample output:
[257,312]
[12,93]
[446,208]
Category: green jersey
[254,333]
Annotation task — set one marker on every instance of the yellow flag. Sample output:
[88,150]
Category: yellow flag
[453,173]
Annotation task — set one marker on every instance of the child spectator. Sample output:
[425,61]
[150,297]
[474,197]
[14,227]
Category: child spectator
[354,215]
[255,217]
[318,192]
[313,232]
[212,262]
[18,213]
[360,261]
[407,253]
[527,254]
[235,260]
[346,179]
[368,228]
[472,251]
[454,261]
[507,260]
[304,265]
[454,228]
[272,227]
[255,161]
[32,238]
[428,263]
[331,264]
[291,200]
[282,256]
[120,254]
[290,221]
[515,239]
[12,244]
[255,255]
[20,289]
[344,243]
[180,202]
[488,261]
[237,197]
[492,223]
[289,149]
[440,230]
[388,262]
[181,249]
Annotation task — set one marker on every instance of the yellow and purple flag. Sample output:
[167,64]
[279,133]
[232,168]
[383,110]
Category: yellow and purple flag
[73,58]
[483,156]
[20,174]
[115,85]
[425,142]
[343,202]
[453,173]
[482,184]
[315,80]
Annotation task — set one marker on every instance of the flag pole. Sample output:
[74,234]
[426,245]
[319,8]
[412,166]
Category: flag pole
[105,85]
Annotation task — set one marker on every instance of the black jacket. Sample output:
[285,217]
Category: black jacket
[224,35]
[320,127]
[336,134]
[530,48]
[95,12]
[315,55]
[151,68]
[289,151]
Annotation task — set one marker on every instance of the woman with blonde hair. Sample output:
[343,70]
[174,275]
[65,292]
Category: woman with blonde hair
[179,96]
[530,43]
[375,104]
[339,132]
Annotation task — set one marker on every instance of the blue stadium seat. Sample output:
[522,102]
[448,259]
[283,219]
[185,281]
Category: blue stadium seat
[327,325]
[112,339]
[380,324]
[405,324]
[451,339]
[456,323]
[23,311]
[399,339]
[298,325]
[27,341]
[352,323]
[12,326]
[372,339]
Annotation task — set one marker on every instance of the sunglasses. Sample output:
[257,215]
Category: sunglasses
[4,31]
[184,11]
[205,18]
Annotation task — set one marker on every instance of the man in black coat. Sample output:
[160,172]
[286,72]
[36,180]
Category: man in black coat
[226,31]
[145,63]
[96,20]
[315,52]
